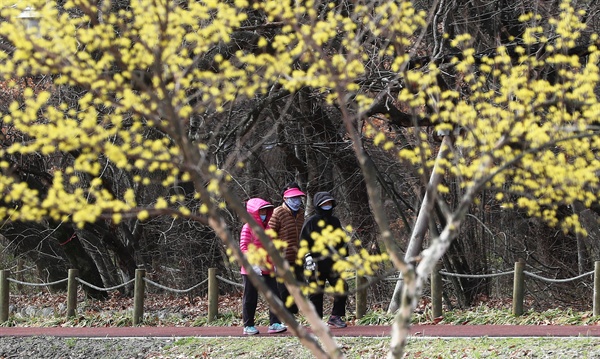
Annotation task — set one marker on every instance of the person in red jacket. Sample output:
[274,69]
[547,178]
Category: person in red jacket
[261,211]
[287,221]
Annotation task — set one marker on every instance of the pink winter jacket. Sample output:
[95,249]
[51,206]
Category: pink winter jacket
[247,236]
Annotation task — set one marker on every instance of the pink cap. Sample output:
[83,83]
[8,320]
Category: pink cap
[293,192]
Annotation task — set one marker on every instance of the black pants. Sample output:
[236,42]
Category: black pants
[284,293]
[250,300]
[326,273]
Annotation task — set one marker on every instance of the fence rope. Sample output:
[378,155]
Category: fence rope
[173,289]
[229,282]
[37,284]
[476,275]
[550,280]
[225,280]
[104,289]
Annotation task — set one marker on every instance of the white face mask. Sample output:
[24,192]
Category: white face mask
[327,207]
[263,217]
[294,203]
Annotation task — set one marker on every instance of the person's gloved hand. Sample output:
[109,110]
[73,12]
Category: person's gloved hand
[257,269]
[309,263]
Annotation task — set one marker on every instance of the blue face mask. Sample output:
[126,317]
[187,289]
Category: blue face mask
[294,203]
[263,217]
[327,208]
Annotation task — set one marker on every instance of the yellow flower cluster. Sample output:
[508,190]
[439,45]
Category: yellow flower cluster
[346,263]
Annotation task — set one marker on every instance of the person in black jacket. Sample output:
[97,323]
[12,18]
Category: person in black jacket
[319,260]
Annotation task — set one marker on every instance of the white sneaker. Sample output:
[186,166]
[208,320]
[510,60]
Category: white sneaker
[251,330]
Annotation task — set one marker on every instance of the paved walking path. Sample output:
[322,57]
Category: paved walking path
[350,331]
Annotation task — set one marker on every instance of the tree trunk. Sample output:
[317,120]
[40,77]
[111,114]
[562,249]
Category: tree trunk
[357,201]
[583,259]
[100,238]
[415,243]
[79,259]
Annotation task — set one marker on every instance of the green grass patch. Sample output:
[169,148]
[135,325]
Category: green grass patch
[485,315]
[478,315]
[71,342]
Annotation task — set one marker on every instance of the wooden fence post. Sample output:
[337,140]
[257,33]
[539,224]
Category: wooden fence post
[138,296]
[596,307]
[4,295]
[518,288]
[436,291]
[213,295]
[361,296]
[72,292]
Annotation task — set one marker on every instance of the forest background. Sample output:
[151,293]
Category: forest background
[132,132]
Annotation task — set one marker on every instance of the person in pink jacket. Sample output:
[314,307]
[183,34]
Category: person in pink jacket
[261,211]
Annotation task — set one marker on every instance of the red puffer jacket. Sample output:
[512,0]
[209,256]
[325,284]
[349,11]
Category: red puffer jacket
[247,236]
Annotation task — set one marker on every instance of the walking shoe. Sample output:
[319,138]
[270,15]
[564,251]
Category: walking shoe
[336,322]
[251,330]
[277,328]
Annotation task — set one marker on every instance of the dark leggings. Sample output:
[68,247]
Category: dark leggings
[326,273]
[250,300]
[284,292]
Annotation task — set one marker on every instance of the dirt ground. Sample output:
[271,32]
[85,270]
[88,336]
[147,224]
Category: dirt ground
[81,348]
